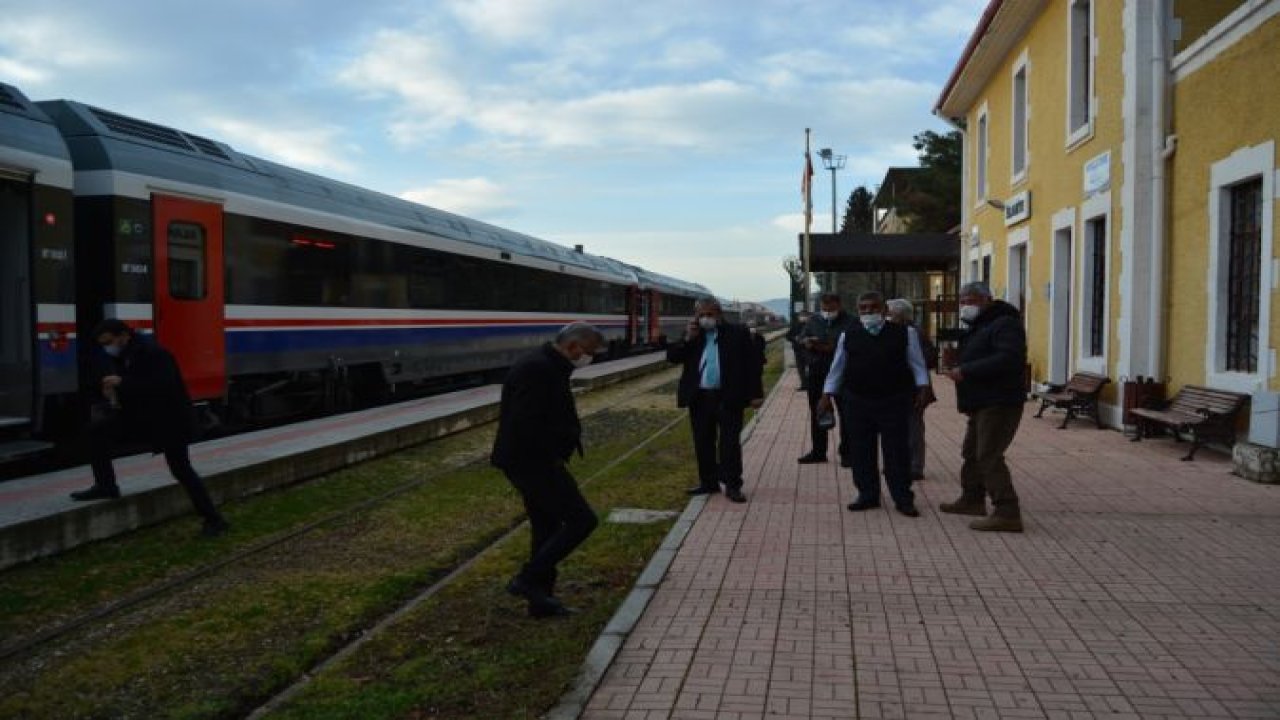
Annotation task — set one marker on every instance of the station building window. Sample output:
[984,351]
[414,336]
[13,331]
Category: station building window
[1080,70]
[1241,228]
[1019,117]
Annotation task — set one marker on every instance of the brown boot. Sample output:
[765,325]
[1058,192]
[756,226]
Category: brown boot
[998,523]
[965,506]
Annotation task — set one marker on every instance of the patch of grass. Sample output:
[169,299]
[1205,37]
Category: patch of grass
[471,651]
[242,633]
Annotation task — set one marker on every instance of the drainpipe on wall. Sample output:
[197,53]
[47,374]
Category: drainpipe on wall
[1163,144]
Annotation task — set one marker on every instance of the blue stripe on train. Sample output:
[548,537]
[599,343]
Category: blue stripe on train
[262,341]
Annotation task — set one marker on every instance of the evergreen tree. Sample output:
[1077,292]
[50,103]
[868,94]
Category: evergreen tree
[857,212]
[933,205]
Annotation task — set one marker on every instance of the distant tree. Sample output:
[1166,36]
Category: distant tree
[857,212]
[933,205]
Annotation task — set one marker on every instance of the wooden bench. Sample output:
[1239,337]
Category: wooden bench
[1079,397]
[1204,413]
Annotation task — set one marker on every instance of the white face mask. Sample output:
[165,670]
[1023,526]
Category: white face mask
[582,360]
[969,313]
[872,322]
[828,315]
[113,350]
[707,323]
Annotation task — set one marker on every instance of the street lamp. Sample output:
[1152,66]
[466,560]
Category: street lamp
[833,163]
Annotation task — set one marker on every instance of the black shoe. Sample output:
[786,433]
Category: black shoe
[844,463]
[97,492]
[811,458]
[702,490]
[735,494]
[860,505]
[909,510]
[215,528]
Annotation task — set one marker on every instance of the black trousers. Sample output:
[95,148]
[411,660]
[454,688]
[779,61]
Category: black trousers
[559,517]
[717,441]
[888,420]
[103,436]
[818,436]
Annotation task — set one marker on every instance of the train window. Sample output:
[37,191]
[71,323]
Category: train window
[186,261]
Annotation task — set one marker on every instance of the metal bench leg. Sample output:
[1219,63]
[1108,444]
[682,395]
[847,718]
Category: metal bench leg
[1195,445]
[1071,412]
[1043,404]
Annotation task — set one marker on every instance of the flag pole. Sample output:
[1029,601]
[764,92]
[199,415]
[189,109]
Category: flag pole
[808,218]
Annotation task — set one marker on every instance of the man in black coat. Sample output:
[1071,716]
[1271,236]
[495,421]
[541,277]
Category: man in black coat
[538,432]
[991,390]
[149,402]
[722,375]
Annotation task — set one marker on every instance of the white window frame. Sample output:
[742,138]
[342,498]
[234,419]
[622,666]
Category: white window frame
[1062,329]
[1020,120]
[1242,165]
[1018,239]
[981,156]
[1078,133]
[1095,208]
[988,251]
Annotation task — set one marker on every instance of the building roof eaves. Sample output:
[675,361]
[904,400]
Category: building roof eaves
[1003,24]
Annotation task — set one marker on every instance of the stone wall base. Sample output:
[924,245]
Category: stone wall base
[1256,462]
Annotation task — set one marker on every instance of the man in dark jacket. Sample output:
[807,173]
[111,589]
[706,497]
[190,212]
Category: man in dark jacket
[819,338]
[991,390]
[721,377]
[538,432]
[150,400]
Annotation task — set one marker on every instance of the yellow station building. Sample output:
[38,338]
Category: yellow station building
[1121,183]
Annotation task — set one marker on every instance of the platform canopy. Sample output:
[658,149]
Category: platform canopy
[868,252]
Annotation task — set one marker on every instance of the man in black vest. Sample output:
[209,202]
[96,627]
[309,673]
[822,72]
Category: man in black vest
[538,432]
[721,377]
[819,339]
[151,403]
[880,374]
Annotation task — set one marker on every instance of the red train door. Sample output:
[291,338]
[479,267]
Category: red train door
[654,311]
[188,310]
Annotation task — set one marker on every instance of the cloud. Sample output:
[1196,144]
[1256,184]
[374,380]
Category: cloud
[473,197]
[36,49]
[313,148]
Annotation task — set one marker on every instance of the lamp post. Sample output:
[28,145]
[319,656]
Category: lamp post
[831,162]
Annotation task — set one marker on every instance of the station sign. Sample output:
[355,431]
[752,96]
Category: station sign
[1097,174]
[1017,208]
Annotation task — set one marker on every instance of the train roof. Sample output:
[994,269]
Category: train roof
[103,140]
[666,283]
[31,141]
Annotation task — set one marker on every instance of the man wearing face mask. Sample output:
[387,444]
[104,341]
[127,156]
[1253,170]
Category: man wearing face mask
[721,377]
[145,387]
[990,389]
[538,432]
[819,339]
[879,371]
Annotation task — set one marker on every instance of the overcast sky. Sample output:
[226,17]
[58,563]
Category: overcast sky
[665,133]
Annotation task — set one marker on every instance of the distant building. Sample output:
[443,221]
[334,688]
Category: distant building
[1120,184]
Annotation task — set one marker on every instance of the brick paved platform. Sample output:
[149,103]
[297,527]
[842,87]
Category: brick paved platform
[1143,587]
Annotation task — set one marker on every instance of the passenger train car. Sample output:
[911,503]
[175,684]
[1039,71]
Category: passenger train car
[277,290]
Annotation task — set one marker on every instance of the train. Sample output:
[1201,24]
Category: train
[278,291]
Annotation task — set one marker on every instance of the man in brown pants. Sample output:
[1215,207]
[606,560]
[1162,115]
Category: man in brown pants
[990,389]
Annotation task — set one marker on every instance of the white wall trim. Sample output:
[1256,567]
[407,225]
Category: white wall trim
[1097,206]
[1229,31]
[1061,309]
[1021,65]
[1077,135]
[1018,239]
[981,146]
[1243,164]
